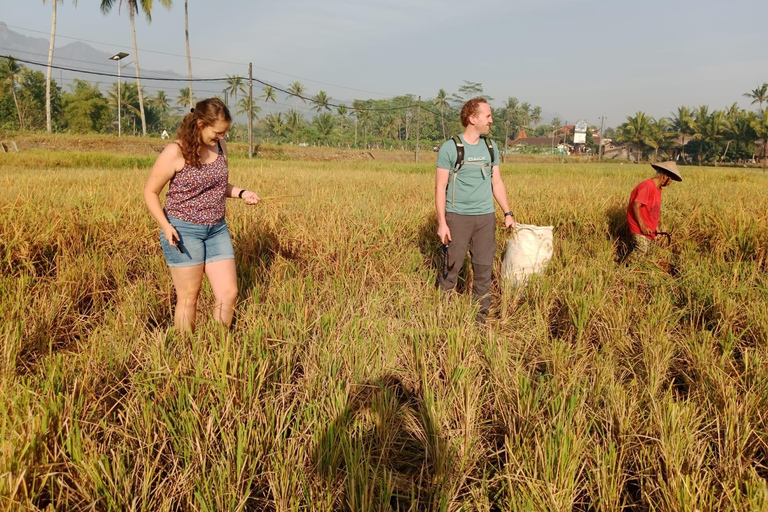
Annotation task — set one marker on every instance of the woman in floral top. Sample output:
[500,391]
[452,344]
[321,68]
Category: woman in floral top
[193,231]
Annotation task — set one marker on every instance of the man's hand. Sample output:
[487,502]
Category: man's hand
[644,230]
[509,222]
[444,233]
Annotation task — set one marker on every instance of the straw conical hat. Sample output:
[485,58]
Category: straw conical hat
[669,168]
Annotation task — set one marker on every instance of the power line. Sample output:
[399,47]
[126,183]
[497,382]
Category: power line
[100,73]
[202,59]
[266,84]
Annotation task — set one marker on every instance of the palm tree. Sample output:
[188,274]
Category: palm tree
[185,99]
[758,95]
[321,100]
[162,103]
[635,132]
[510,114]
[700,120]
[730,128]
[275,124]
[657,136]
[293,122]
[525,114]
[324,123]
[441,102]
[54,4]
[536,116]
[342,112]
[760,125]
[247,107]
[269,94]
[10,75]
[186,36]
[235,84]
[128,100]
[713,129]
[297,90]
[682,125]
[133,9]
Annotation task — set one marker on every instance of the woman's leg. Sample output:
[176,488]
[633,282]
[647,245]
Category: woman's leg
[223,278]
[187,281]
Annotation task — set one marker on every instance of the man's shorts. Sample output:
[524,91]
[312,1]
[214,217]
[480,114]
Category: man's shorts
[199,244]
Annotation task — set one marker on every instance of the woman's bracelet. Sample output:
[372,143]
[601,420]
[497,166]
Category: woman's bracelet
[240,195]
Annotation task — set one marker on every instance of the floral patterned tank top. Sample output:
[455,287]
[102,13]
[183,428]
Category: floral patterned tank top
[198,194]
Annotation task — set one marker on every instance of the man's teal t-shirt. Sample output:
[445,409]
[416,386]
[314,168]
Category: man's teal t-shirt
[469,190]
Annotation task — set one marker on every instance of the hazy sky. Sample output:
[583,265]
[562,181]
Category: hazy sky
[579,59]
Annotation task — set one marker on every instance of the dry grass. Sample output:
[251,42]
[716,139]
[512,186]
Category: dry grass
[348,382]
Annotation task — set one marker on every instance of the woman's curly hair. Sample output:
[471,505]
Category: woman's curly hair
[208,112]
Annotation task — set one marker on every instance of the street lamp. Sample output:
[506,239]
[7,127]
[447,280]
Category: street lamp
[117,58]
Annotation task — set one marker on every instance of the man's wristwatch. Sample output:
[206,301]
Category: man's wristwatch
[509,213]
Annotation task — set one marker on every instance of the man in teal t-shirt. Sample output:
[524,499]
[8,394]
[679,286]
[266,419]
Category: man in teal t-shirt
[466,217]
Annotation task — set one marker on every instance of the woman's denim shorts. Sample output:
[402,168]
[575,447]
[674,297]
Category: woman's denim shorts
[199,244]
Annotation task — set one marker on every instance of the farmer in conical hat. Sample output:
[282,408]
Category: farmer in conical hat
[644,208]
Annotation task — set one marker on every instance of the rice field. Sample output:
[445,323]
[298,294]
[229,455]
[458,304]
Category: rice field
[348,382]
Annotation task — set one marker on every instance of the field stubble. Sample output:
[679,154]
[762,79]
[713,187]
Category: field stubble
[349,383]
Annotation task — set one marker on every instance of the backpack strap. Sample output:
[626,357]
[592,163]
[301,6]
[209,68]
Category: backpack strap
[490,147]
[221,151]
[459,153]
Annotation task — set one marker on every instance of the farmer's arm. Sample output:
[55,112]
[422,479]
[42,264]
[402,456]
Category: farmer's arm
[635,209]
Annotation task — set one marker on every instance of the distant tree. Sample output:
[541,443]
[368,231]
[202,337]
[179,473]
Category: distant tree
[536,116]
[248,107]
[189,55]
[268,95]
[54,4]
[297,90]
[235,85]
[758,95]
[293,123]
[510,119]
[441,102]
[657,136]
[682,125]
[133,9]
[128,103]
[324,124]
[275,124]
[31,96]
[185,99]
[10,77]
[760,126]
[635,132]
[321,100]
[162,102]
[86,109]
[468,91]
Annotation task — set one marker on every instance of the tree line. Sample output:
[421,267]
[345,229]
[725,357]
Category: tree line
[700,135]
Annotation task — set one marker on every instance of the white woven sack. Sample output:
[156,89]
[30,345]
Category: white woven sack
[528,251]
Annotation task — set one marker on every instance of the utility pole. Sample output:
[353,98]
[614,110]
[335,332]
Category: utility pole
[600,147]
[250,110]
[418,122]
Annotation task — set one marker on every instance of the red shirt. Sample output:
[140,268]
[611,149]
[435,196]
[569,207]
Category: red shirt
[649,197]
